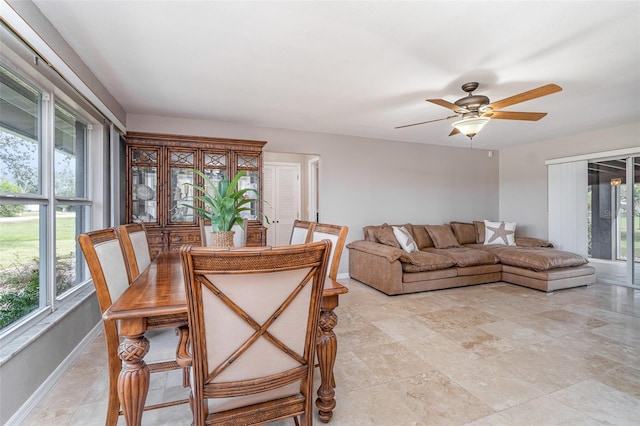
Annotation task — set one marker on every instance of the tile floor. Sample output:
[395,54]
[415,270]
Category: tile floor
[494,354]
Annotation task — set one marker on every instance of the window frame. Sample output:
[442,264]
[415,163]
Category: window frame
[51,94]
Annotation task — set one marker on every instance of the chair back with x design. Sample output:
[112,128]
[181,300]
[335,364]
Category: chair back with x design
[253,321]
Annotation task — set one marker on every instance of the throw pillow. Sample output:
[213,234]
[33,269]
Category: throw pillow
[465,232]
[500,233]
[405,239]
[385,236]
[479,224]
[369,233]
[442,236]
[421,237]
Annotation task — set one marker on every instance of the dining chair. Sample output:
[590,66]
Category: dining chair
[136,247]
[103,250]
[239,236]
[253,322]
[301,231]
[337,235]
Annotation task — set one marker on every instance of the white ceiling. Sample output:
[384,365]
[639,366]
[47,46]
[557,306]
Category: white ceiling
[362,68]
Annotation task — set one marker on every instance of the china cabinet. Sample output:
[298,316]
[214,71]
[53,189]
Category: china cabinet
[159,171]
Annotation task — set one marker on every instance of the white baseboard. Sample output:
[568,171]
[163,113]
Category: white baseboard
[343,276]
[23,412]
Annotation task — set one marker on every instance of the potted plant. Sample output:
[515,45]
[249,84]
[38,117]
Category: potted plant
[223,205]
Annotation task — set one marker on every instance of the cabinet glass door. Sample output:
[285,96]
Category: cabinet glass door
[216,168]
[144,186]
[181,178]
[250,165]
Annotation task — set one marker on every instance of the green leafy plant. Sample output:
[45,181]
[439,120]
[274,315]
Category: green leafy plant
[23,292]
[224,204]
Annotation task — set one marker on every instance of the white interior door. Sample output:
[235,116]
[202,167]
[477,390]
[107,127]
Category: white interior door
[281,191]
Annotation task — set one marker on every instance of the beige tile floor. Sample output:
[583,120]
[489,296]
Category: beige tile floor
[494,354]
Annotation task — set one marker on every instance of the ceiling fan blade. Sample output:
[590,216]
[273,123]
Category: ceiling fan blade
[512,115]
[526,96]
[454,132]
[425,122]
[446,104]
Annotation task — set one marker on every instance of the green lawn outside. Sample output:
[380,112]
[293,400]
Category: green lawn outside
[623,238]
[19,239]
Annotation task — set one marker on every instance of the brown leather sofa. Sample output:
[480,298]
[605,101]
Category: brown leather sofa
[454,255]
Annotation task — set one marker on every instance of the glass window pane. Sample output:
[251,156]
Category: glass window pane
[70,137]
[19,261]
[69,262]
[19,135]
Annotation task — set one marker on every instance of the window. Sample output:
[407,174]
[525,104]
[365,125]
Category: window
[71,204]
[43,192]
[22,209]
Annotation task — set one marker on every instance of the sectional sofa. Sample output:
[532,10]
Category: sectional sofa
[415,258]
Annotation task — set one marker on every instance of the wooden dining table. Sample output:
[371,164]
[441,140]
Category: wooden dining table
[157,299]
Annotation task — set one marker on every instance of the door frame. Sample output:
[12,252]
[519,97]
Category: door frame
[313,211]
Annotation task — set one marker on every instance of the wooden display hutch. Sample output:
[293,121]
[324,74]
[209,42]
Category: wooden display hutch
[158,167]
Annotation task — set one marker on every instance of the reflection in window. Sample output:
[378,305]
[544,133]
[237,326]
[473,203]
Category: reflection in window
[70,137]
[19,135]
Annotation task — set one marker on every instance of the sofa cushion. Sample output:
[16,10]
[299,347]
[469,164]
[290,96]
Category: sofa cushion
[500,233]
[535,258]
[465,232]
[442,236]
[532,242]
[419,261]
[479,224]
[421,237]
[496,268]
[405,239]
[465,256]
[390,253]
[438,274]
[551,274]
[384,235]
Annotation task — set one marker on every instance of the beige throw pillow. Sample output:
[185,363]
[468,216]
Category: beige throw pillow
[465,232]
[500,233]
[479,224]
[442,236]
[421,237]
[405,239]
[385,236]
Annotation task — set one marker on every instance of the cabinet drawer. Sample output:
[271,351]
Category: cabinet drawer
[256,236]
[184,238]
[155,239]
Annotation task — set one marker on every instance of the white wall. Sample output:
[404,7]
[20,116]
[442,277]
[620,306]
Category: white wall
[523,174]
[370,181]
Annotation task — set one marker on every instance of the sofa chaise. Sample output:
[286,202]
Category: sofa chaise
[413,258]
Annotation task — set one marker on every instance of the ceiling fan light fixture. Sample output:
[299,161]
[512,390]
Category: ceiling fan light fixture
[471,126]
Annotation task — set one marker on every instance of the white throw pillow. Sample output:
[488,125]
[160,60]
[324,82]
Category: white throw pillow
[405,239]
[500,233]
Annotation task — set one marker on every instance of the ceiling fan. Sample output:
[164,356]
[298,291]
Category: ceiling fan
[475,111]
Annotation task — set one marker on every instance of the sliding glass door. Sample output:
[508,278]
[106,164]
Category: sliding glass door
[614,218]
